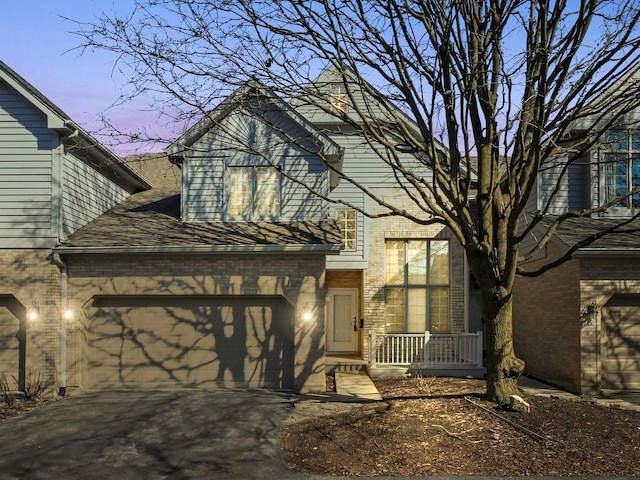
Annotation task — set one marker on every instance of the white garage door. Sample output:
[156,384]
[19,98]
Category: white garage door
[621,343]
[170,342]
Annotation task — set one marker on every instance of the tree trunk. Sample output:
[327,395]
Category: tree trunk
[503,367]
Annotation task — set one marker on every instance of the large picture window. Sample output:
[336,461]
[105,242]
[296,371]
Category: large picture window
[621,168]
[254,192]
[417,286]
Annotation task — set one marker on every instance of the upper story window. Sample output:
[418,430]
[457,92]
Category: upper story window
[348,230]
[254,192]
[417,287]
[621,168]
[339,97]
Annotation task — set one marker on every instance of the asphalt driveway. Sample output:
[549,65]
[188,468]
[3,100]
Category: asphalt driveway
[187,434]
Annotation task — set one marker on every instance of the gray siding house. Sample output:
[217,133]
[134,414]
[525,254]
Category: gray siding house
[578,326]
[54,178]
[250,263]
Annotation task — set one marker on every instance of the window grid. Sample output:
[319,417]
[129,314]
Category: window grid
[348,229]
[621,170]
[254,192]
[339,98]
[418,280]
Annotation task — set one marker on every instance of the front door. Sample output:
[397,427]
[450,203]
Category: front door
[342,322]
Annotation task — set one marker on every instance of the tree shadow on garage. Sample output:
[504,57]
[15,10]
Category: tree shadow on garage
[192,341]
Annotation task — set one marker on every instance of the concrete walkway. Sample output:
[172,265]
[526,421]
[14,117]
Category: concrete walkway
[623,400]
[356,387]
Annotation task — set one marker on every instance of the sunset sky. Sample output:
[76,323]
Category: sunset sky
[36,42]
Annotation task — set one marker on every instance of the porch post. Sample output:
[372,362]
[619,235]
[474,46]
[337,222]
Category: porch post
[372,349]
[427,336]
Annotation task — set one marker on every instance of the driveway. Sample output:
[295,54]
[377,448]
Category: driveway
[125,435]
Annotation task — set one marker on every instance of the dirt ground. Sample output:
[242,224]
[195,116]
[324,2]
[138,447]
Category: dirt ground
[18,406]
[444,426]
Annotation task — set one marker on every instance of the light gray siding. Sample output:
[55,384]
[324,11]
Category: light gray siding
[363,164]
[243,140]
[575,186]
[86,194]
[26,173]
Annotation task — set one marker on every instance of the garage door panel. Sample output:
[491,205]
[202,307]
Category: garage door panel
[230,341]
[622,348]
[621,343]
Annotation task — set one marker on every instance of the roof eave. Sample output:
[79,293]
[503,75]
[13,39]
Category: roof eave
[326,249]
[608,252]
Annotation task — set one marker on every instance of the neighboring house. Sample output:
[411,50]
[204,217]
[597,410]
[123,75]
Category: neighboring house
[578,325]
[54,178]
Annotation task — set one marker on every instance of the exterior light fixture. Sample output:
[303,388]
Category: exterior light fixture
[592,313]
[67,313]
[307,315]
[33,312]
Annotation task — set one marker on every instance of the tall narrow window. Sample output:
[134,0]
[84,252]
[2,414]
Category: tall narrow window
[347,222]
[621,168]
[339,97]
[417,290]
[254,192]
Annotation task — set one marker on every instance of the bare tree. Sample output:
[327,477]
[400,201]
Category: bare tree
[506,86]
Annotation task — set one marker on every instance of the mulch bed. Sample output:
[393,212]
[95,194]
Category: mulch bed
[426,426]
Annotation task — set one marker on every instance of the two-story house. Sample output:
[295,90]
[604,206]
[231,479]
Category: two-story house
[578,326]
[54,178]
[251,261]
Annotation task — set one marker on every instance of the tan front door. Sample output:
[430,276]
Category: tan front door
[342,321]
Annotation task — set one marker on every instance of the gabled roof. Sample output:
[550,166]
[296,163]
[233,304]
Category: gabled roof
[252,90]
[610,106]
[389,111]
[149,222]
[73,135]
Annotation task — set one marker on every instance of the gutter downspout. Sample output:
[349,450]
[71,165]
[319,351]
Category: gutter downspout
[62,389]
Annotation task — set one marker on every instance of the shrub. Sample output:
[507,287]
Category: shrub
[5,391]
[34,385]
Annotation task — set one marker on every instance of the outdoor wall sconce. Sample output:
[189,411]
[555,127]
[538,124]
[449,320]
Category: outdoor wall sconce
[592,313]
[33,312]
[306,313]
[67,313]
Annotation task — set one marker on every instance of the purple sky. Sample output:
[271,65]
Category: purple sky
[35,42]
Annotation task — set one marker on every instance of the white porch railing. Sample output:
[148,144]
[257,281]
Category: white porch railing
[444,350]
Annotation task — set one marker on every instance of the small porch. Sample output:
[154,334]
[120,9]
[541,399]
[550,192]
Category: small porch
[429,354]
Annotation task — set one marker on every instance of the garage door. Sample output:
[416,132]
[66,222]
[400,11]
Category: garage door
[171,342]
[9,346]
[621,343]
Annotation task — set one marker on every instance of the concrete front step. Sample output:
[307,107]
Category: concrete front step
[339,364]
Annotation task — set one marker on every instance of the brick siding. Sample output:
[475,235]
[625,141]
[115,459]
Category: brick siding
[299,278]
[30,276]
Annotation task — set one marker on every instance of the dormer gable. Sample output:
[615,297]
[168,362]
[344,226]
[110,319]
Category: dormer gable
[253,158]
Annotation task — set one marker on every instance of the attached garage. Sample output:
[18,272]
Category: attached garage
[189,341]
[621,343]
